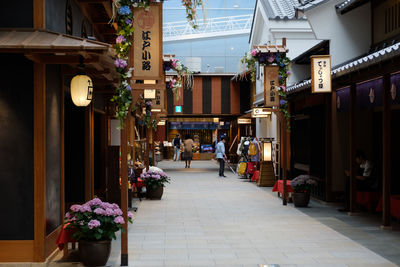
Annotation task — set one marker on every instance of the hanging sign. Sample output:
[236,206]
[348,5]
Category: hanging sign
[321,81]
[244,121]
[260,112]
[271,83]
[147,48]
[158,102]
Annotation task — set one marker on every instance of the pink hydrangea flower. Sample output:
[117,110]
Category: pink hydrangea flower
[119,220]
[85,208]
[130,215]
[99,211]
[75,208]
[254,52]
[109,212]
[118,212]
[67,215]
[95,202]
[93,224]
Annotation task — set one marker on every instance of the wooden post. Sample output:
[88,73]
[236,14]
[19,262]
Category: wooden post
[147,148]
[352,144]
[151,147]
[330,100]
[39,159]
[386,157]
[89,153]
[283,151]
[124,192]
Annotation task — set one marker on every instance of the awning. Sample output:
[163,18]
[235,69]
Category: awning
[43,41]
[360,63]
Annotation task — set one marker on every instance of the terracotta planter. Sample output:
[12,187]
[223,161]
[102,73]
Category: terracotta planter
[154,193]
[301,199]
[94,253]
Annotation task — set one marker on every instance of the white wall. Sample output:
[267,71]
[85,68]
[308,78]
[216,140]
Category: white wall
[267,127]
[349,34]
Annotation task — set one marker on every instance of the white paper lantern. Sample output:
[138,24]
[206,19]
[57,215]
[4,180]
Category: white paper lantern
[81,90]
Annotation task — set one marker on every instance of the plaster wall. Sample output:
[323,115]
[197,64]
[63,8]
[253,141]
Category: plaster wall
[349,34]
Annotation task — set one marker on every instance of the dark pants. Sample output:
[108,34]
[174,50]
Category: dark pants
[221,167]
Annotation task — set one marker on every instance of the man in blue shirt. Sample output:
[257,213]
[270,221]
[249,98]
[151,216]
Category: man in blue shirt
[220,155]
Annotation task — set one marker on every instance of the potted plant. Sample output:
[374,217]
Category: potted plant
[155,181]
[301,186]
[94,225]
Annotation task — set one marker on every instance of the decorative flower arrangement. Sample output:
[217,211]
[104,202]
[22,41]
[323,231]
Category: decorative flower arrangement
[303,183]
[95,220]
[184,76]
[278,59]
[154,178]
[191,8]
[147,118]
[123,43]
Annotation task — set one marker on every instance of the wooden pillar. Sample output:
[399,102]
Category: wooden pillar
[284,159]
[39,159]
[124,192]
[147,148]
[352,147]
[386,157]
[89,153]
[152,146]
[330,104]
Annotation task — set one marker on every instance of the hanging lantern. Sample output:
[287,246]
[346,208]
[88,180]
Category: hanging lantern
[81,90]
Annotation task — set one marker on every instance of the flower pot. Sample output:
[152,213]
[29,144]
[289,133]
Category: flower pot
[301,199]
[94,253]
[154,193]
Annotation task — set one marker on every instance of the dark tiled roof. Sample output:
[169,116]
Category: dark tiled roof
[309,4]
[280,9]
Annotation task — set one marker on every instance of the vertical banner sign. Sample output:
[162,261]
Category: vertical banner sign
[158,103]
[321,81]
[147,42]
[271,82]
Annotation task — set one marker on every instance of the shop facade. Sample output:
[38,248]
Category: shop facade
[359,114]
[207,111]
[53,152]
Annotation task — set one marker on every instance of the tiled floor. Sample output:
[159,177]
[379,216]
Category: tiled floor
[204,220]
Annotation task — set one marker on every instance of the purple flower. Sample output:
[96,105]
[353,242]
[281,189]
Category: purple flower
[129,88]
[124,10]
[93,224]
[120,39]
[282,102]
[67,215]
[149,103]
[279,77]
[109,212]
[120,63]
[75,208]
[119,220]
[288,73]
[85,208]
[118,212]
[95,202]
[128,21]
[130,215]
[99,211]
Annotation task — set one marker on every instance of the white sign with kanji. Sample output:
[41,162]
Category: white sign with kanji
[321,80]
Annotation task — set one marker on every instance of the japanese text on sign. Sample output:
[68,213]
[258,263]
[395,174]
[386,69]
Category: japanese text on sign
[271,82]
[321,74]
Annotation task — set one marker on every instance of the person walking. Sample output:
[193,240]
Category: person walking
[220,155]
[177,147]
[188,150]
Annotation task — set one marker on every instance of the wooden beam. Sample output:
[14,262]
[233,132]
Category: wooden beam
[39,159]
[352,148]
[52,59]
[39,14]
[17,251]
[386,152]
[124,192]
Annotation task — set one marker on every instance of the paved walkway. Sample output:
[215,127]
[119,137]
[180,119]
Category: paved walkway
[204,220]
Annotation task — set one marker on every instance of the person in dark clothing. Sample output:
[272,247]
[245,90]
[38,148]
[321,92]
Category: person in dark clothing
[365,180]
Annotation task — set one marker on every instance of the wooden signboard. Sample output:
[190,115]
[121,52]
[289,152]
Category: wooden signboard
[271,82]
[147,48]
[321,81]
